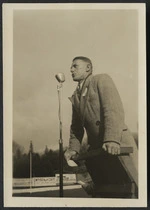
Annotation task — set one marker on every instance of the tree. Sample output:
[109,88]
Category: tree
[17,148]
[46,150]
[31,148]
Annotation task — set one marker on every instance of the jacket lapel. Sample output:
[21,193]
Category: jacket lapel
[75,100]
[80,105]
[71,99]
[84,96]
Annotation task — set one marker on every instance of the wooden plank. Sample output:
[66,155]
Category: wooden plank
[124,151]
[130,168]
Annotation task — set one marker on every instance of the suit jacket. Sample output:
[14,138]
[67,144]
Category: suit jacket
[100,111]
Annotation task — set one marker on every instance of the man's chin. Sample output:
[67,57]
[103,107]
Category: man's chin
[75,79]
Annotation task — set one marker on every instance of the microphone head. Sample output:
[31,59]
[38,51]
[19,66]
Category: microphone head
[60,77]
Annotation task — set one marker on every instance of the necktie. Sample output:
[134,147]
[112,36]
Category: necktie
[79,91]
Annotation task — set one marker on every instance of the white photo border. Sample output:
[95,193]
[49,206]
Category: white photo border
[10,201]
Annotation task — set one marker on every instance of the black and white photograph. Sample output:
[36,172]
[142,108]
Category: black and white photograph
[74,92]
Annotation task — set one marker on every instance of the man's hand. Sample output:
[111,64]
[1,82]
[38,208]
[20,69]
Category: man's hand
[69,154]
[112,148]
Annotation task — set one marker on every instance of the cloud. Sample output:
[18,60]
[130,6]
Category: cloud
[45,43]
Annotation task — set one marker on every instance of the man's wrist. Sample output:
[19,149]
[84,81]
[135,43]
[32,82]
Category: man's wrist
[72,150]
[111,141]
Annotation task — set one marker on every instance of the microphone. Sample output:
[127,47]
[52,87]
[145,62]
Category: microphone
[60,77]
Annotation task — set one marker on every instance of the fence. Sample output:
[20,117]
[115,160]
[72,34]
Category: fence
[44,181]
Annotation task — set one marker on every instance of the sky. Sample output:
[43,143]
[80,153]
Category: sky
[44,43]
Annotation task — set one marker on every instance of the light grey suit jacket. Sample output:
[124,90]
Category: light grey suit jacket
[100,111]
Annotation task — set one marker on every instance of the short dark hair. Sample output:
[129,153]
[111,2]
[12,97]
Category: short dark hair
[84,59]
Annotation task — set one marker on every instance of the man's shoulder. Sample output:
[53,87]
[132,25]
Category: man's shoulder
[101,77]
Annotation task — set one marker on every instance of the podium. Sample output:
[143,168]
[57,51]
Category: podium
[114,176]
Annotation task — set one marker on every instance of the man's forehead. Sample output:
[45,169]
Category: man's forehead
[78,61]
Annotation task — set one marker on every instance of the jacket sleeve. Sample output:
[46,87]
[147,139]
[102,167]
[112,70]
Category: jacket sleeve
[76,132]
[112,107]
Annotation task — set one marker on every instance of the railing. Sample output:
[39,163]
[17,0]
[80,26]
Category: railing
[124,151]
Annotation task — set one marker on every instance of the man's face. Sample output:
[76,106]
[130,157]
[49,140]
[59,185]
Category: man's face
[79,70]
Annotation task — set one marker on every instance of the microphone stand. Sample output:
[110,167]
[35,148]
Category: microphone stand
[59,87]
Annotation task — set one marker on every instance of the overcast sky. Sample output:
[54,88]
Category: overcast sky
[44,43]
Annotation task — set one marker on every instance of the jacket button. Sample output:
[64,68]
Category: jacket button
[97,122]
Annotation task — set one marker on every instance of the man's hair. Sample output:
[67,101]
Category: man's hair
[87,60]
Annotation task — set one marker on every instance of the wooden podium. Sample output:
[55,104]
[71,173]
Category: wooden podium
[123,167]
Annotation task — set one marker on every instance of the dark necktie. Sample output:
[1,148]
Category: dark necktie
[79,91]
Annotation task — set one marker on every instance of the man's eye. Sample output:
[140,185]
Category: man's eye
[74,66]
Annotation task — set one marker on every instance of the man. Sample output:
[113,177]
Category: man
[97,108]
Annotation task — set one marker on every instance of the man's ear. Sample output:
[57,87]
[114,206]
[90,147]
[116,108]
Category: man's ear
[88,67]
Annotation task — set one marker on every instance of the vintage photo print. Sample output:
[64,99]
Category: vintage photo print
[74,87]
